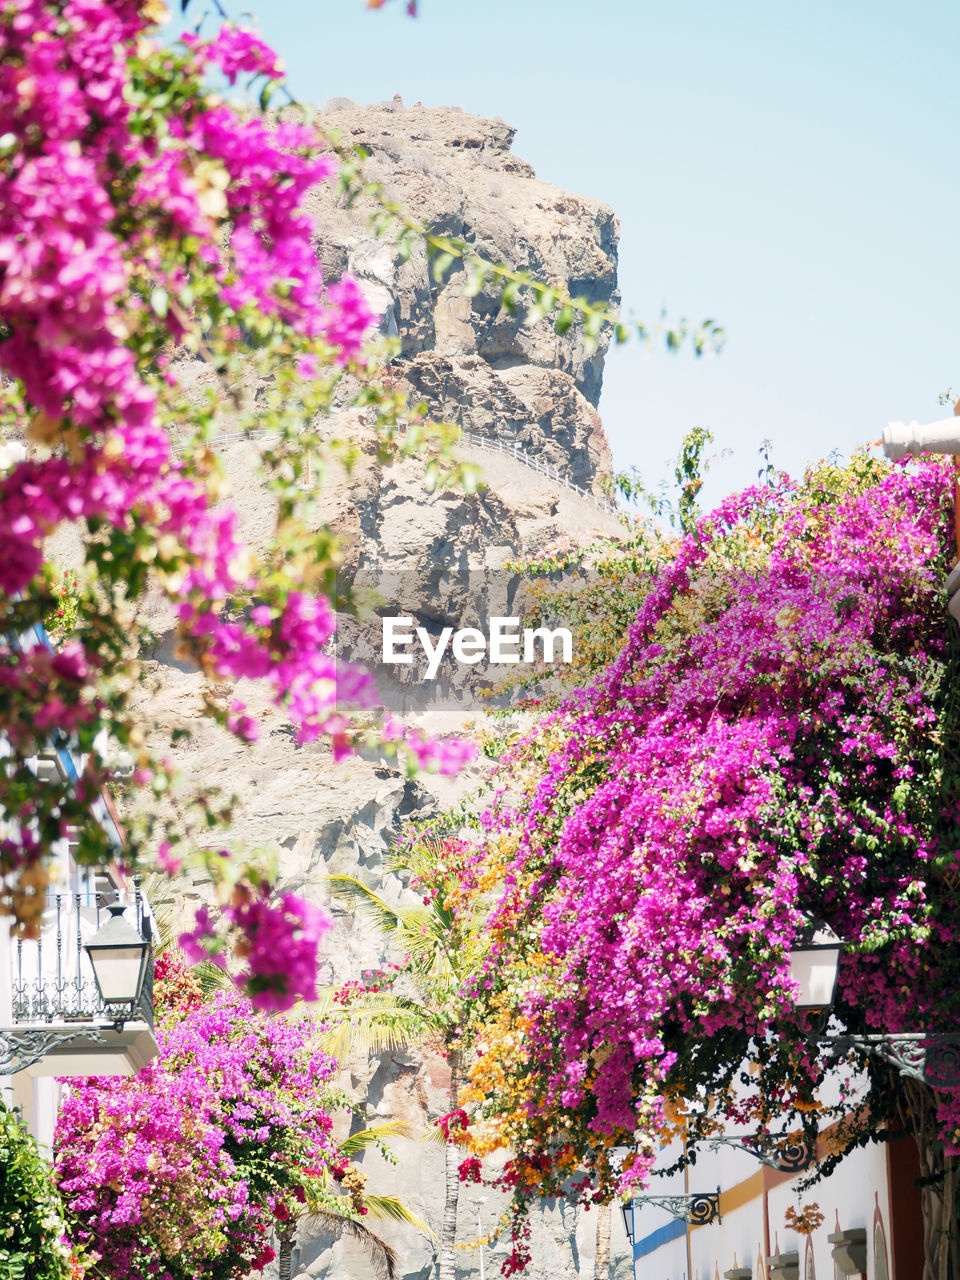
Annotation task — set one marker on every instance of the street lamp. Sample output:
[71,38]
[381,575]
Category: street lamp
[814,965]
[699,1208]
[930,1057]
[626,1208]
[118,955]
[478,1201]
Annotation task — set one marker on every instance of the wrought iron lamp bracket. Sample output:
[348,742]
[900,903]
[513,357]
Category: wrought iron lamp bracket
[930,1057]
[786,1155]
[698,1208]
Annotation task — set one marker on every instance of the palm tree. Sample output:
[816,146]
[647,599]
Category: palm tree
[601,1265]
[443,952]
[383,1256]
[321,1207]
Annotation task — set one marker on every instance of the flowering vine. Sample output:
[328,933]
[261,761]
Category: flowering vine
[187,1167]
[33,1234]
[774,742]
[147,225]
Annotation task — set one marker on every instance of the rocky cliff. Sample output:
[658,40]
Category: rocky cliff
[480,368]
[473,362]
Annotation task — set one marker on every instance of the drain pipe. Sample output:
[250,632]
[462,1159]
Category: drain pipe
[901,439]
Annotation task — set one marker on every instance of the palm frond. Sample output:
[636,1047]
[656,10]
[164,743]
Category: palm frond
[377,1022]
[383,1256]
[210,976]
[389,1207]
[374,1135]
[417,928]
[374,1031]
[350,889]
[434,1135]
[318,1009]
[161,914]
[390,1001]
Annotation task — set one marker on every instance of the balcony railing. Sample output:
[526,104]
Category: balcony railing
[53,979]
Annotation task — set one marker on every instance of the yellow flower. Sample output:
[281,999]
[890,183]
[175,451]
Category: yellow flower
[211,180]
[155,11]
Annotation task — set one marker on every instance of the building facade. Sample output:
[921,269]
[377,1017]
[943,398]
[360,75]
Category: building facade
[53,1021]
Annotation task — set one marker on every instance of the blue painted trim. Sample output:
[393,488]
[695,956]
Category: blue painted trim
[63,752]
[663,1235]
[65,755]
[40,631]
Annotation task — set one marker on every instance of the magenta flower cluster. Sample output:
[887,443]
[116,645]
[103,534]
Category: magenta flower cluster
[64,273]
[71,313]
[184,1169]
[279,945]
[137,210]
[436,755]
[763,751]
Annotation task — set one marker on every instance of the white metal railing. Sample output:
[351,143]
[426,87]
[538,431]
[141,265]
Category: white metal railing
[516,450]
[52,978]
[511,449]
[228,437]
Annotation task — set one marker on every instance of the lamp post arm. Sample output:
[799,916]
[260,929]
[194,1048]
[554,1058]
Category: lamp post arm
[931,1058]
[787,1155]
[698,1208]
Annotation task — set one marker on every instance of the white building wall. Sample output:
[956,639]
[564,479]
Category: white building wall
[754,1200]
[35,1091]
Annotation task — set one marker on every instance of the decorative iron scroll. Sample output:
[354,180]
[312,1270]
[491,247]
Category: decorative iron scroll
[21,1049]
[930,1057]
[704,1208]
[787,1155]
[699,1208]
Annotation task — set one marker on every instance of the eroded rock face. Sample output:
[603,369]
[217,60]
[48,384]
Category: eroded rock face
[500,381]
[473,362]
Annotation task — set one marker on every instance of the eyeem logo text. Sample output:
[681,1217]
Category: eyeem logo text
[505,643]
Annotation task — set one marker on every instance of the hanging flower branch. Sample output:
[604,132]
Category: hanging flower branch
[146,224]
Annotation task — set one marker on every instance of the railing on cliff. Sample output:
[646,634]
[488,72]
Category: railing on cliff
[511,450]
[516,450]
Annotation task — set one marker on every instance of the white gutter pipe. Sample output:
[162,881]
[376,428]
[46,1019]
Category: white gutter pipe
[902,438]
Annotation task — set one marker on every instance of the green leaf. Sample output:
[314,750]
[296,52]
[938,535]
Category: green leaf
[508,299]
[393,1209]
[440,264]
[564,319]
[159,302]
[476,278]
[364,1139]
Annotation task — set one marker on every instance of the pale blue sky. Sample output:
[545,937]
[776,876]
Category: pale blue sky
[786,166]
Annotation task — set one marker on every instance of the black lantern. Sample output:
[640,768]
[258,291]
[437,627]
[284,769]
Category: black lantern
[626,1208]
[119,957]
